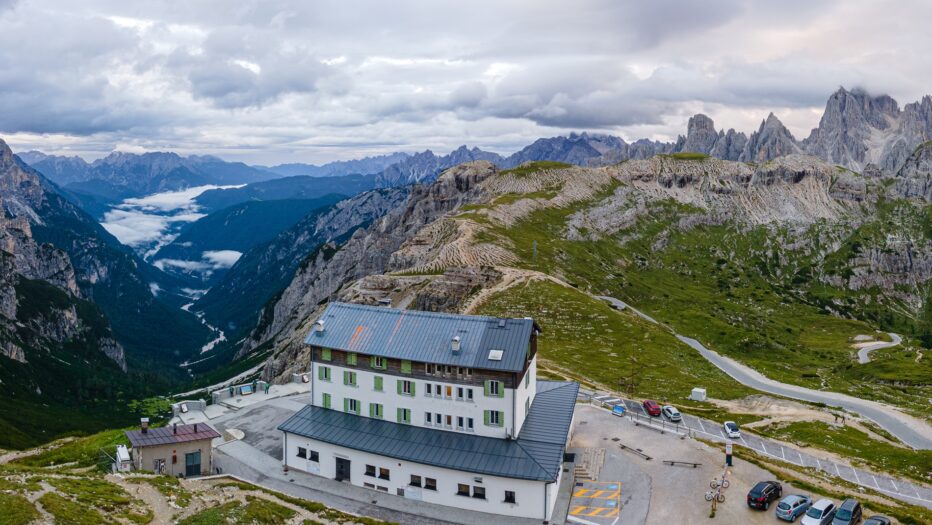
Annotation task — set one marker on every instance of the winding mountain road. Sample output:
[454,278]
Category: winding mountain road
[864,353]
[908,429]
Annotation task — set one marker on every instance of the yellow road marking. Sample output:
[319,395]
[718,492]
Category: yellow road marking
[582,493]
[578,510]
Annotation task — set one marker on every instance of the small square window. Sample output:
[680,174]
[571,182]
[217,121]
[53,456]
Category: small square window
[315,456]
[509,496]
[478,492]
[384,473]
[302,452]
[430,484]
[462,489]
[370,470]
[415,481]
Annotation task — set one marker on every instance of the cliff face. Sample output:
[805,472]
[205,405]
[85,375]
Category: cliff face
[39,300]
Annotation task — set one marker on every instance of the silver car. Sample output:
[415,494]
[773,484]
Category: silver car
[671,413]
[820,513]
[792,506]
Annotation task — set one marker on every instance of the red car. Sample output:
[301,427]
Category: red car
[651,407]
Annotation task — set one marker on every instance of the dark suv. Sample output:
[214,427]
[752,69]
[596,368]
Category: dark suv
[763,493]
[849,513]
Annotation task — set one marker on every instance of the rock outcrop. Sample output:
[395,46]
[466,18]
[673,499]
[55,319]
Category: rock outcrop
[770,141]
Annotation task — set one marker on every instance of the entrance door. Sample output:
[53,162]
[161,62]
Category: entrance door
[343,469]
[192,464]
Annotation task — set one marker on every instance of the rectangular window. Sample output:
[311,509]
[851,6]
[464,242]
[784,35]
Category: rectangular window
[323,373]
[379,363]
[302,452]
[459,393]
[459,422]
[326,354]
[326,400]
[369,485]
[449,392]
[428,368]
[375,410]
[405,387]
[351,406]
[494,389]
[468,394]
[493,418]
[384,474]
[468,372]
[429,389]
[527,379]
[462,489]
[370,470]
[427,419]
[527,406]
[430,484]
[469,425]
[449,420]
[351,358]
[510,496]
[315,456]
[478,492]
[377,383]
[406,367]
[349,378]
[404,415]
[415,481]
[438,418]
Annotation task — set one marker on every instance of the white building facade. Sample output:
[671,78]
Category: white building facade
[435,407]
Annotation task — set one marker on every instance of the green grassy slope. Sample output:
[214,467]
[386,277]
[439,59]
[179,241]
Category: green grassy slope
[742,292]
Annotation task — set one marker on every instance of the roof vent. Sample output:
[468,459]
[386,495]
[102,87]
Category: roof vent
[496,355]
[455,344]
[501,323]
[319,326]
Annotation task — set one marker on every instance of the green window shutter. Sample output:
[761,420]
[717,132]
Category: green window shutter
[326,400]
[399,386]
[346,404]
[352,378]
[325,354]
[351,358]
[501,418]
[345,377]
[413,384]
[371,361]
[406,367]
[372,409]
[486,386]
[378,383]
[501,389]
[321,373]
[400,415]
[485,416]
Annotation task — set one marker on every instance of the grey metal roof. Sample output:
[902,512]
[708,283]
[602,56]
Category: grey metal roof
[537,454]
[424,336]
[171,434]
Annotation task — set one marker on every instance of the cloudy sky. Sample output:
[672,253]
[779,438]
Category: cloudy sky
[287,81]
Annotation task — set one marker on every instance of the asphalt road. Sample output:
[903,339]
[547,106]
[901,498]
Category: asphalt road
[910,430]
[864,353]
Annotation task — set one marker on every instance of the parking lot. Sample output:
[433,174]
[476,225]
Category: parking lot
[703,428]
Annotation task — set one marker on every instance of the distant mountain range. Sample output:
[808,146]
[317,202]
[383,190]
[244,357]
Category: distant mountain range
[363,166]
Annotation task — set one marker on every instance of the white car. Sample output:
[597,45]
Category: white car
[671,413]
[731,430]
[820,513]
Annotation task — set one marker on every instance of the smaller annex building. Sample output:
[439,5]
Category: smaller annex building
[434,407]
[177,450]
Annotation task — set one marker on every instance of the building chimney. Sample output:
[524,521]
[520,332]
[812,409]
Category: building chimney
[195,427]
[455,344]
[175,428]
[144,423]
[319,326]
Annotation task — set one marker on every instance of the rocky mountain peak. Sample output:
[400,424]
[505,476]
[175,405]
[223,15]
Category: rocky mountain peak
[771,140]
[700,134]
